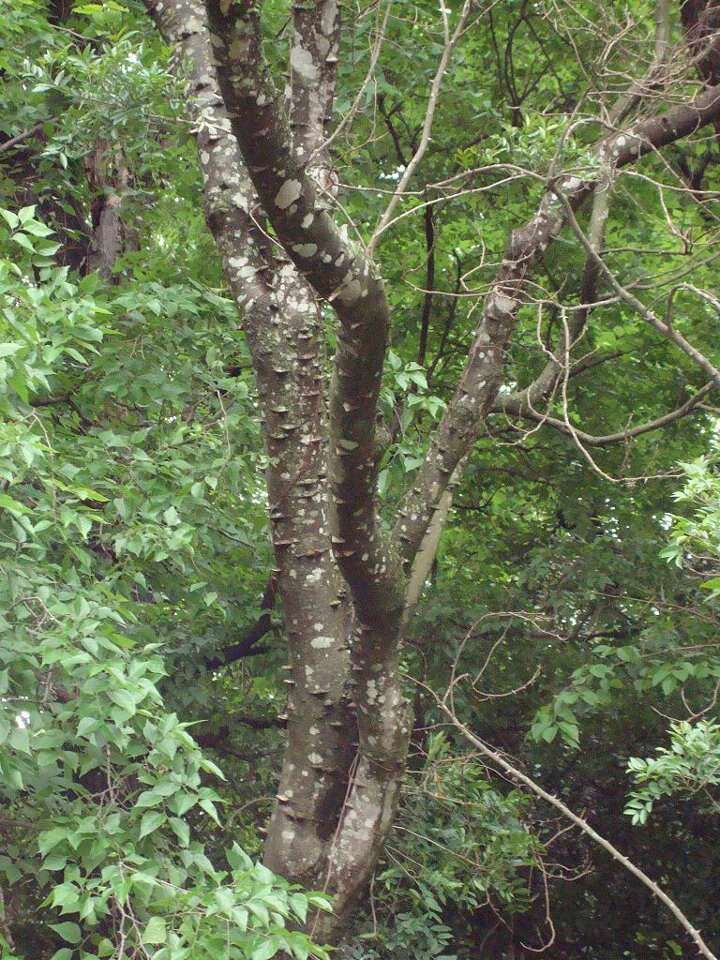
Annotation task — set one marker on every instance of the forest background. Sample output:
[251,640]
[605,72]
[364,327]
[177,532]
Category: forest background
[358,373]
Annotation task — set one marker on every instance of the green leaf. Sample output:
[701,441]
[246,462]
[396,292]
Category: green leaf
[38,229]
[70,932]
[14,506]
[181,830]
[259,910]
[150,822]
[238,859]
[10,218]
[24,241]
[209,807]
[20,739]
[299,905]
[26,213]
[155,931]
[124,699]
[265,951]
[171,517]
[8,349]
[549,733]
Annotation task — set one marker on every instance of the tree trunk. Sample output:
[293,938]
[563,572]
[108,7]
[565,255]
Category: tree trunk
[344,584]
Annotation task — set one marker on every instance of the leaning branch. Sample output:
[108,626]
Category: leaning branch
[475,396]
[589,831]
[21,137]
[247,647]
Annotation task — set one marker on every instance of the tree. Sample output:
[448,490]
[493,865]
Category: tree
[343,580]
[348,578]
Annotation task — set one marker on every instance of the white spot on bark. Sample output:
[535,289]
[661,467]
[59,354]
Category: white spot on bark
[329,16]
[305,249]
[350,291]
[302,62]
[504,303]
[288,194]
[321,643]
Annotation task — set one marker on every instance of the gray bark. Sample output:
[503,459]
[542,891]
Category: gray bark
[281,321]
[342,581]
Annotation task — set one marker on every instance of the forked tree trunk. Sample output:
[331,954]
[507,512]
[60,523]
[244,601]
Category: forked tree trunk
[347,590]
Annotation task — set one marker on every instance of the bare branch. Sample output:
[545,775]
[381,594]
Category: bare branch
[451,40]
[664,327]
[475,396]
[584,826]
[622,436]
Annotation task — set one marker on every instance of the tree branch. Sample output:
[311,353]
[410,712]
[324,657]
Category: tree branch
[340,274]
[283,327]
[429,284]
[247,646]
[451,40]
[20,137]
[700,20]
[313,69]
[584,826]
[665,327]
[521,410]
[475,396]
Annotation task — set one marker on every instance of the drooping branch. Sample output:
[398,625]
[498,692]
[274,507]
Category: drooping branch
[520,409]
[517,775]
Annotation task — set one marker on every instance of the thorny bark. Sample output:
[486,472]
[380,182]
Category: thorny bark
[344,584]
[281,322]
[340,275]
